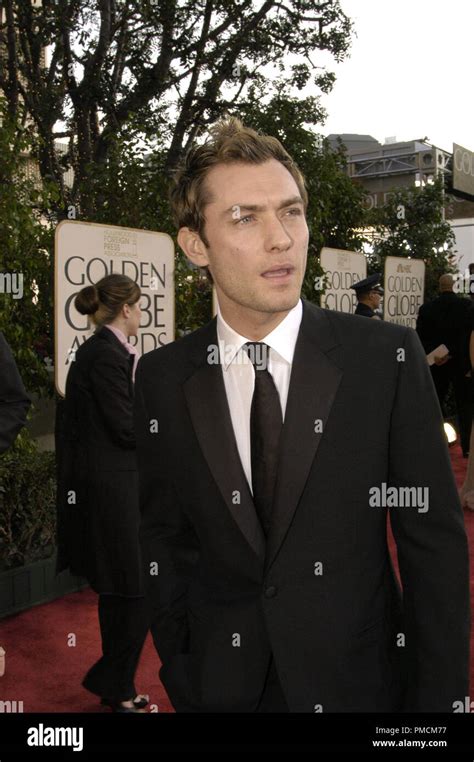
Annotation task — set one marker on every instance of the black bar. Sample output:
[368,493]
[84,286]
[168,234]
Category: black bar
[442,734]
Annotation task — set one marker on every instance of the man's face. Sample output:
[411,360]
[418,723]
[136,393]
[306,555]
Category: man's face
[257,235]
[376,298]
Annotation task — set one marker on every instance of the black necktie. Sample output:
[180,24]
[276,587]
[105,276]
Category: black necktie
[265,428]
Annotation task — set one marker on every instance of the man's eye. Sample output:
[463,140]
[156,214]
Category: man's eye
[245,219]
[294,211]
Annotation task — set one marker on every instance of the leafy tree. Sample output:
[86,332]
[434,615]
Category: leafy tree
[130,86]
[164,68]
[412,224]
[125,81]
[25,254]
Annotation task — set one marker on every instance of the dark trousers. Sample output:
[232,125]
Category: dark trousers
[273,699]
[124,623]
[443,376]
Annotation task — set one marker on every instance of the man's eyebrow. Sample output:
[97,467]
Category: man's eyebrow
[259,208]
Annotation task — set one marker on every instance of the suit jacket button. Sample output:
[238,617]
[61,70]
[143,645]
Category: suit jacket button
[270,592]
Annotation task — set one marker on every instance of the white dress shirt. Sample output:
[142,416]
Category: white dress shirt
[239,373]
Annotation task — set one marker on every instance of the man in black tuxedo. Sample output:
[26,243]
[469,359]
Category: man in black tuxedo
[447,320]
[14,401]
[267,464]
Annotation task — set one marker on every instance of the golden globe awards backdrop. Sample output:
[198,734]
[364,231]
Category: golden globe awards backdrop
[84,253]
[404,289]
[342,268]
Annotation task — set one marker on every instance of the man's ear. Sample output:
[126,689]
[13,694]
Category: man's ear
[193,246]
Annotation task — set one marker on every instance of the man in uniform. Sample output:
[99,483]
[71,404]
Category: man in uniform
[369,294]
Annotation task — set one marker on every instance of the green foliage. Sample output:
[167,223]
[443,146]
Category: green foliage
[412,224]
[163,68]
[126,81]
[25,250]
[27,504]
[193,296]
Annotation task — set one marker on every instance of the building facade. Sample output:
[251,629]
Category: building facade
[385,168]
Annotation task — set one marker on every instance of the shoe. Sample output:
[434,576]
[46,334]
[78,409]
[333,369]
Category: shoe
[138,703]
[117,706]
[141,703]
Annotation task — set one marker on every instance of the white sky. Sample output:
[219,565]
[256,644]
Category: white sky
[410,72]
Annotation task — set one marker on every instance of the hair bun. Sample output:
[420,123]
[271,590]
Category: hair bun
[87,300]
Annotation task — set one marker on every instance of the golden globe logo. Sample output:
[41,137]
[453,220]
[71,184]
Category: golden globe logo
[463,170]
[464,161]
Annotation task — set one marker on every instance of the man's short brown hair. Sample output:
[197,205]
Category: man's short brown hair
[230,142]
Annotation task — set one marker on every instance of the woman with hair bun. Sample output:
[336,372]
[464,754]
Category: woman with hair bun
[98,511]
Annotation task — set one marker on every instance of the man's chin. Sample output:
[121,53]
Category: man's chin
[276,302]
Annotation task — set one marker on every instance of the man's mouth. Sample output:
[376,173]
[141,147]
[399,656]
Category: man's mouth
[276,273]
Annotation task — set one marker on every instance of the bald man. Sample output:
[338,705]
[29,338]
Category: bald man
[447,320]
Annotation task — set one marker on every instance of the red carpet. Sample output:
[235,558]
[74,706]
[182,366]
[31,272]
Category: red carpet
[45,673]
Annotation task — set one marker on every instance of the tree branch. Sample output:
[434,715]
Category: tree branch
[94,65]
[213,85]
[12,66]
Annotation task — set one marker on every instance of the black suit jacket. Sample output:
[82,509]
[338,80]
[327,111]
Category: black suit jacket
[98,528]
[14,401]
[364,310]
[447,320]
[320,594]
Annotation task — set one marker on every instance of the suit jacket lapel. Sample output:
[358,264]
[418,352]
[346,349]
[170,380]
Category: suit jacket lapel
[314,381]
[207,402]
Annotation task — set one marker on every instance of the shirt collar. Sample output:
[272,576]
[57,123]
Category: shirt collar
[119,334]
[282,339]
